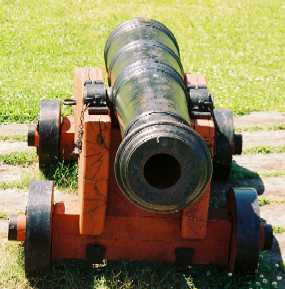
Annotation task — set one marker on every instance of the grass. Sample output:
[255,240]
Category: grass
[3,216]
[238,45]
[64,174]
[278,229]
[280,126]
[265,150]
[263,201]
[21,184]
[272,173]
[13,138]
[129,275]
[19,158]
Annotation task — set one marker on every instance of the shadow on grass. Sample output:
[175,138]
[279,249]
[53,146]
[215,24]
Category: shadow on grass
[63,173]
[240,172]
[239,177]
[77,275]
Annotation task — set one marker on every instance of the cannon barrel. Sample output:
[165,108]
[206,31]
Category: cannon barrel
[162,164]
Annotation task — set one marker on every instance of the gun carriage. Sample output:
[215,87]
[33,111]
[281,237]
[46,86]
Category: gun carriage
[149,145]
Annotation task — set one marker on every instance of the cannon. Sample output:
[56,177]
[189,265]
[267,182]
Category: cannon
[149,145]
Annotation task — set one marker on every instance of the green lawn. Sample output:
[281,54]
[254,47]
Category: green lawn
[238,45]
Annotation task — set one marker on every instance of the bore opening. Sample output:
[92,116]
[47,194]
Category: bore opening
[162,171]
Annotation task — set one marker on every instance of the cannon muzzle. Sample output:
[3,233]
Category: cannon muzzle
[162,164]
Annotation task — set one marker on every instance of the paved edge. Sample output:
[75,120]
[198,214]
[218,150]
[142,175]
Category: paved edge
[13,129]
[258,118]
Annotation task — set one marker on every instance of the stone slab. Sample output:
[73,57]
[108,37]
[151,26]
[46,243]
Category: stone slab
[13,129]
[3,229]
[10,147]
[263,138]
[262,162]
[9,173]
[274,214]
[13,201]
[271,187]
[260,118]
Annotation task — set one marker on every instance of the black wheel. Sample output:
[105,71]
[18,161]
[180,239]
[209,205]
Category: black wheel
[49,132]
[38,226]
[244,213]
[224,143]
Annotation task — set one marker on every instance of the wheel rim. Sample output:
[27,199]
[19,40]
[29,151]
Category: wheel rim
[38,227]
[49,132]
[244,247]
[224,141]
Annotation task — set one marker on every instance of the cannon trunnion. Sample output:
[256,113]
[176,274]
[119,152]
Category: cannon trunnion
[149,147]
